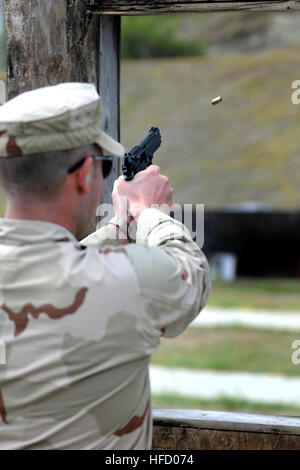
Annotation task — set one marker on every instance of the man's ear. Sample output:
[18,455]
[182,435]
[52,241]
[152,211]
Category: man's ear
[83,176]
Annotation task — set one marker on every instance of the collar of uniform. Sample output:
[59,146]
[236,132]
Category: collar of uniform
[32,231]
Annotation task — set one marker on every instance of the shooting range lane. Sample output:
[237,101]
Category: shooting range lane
[209,384]
[258,319]
[263,388]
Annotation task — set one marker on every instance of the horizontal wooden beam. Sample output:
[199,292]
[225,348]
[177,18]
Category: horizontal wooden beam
[216,430]
[228,421]
[154,7]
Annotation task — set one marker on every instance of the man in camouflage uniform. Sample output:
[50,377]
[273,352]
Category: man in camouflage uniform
[80,320]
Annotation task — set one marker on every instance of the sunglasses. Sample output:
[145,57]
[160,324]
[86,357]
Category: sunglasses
[106,166]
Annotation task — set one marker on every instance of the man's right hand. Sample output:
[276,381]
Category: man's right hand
[147,189]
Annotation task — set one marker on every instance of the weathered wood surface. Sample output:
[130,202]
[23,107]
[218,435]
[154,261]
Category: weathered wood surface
[109,88]
[57,41]
[49,43]
[227,421]
[177,438]
[144,7]
[210,430]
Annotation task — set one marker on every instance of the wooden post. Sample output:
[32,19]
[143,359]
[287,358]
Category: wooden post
[49,42]
[109,87]
[56,41]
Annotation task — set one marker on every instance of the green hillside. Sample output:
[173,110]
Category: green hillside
[211,34]
[245,149]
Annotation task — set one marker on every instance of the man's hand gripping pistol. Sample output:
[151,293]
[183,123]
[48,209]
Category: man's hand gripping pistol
[140,157]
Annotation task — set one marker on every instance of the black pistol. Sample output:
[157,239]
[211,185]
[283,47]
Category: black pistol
[140,157]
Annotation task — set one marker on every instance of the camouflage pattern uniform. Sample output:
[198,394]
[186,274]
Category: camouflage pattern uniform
[80,322]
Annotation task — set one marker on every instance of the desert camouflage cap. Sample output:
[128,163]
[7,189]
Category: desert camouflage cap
[59,117]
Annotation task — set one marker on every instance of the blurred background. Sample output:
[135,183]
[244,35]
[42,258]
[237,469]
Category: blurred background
[2,78]
[241,160]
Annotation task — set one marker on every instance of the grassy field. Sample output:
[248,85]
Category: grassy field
[2,202]
[223,404]
[273,294]
[229,349]
[244,149]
